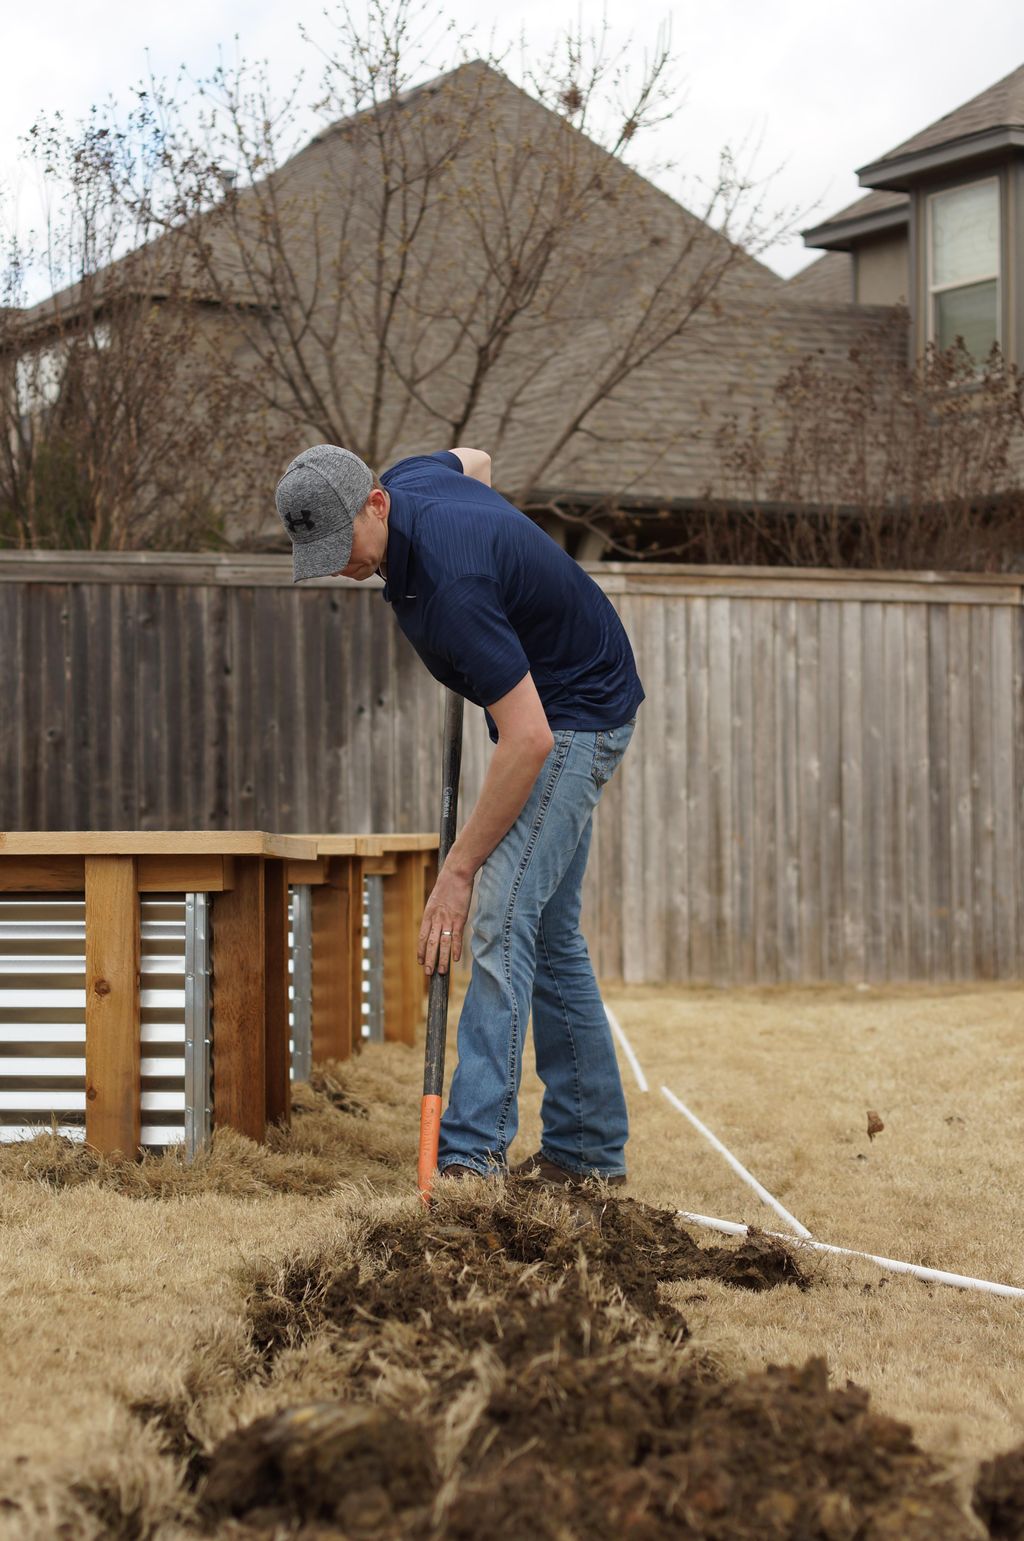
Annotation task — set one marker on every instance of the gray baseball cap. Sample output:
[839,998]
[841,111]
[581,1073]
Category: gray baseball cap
[318,497]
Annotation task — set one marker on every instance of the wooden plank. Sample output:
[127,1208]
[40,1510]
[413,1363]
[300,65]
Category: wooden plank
[875,809]
[332,687]
[215,748]
[240,724]
[852,797]
[308,871]
[264,686]
[277,1052]
[381,727]
[918,821]
[383,866]
[720,836]
[89,706]
[238,996]
[50,671]
[674,791]
[337,960]
[787,790]
[830,694]
[150,722]
[113,1081]
[154,842]
[403,994]
[961,857]
[122,746]
[359,768]
[787,586]
[1007,831]
[32,710]
[608,819]
[177,767]
[940,800]
[808,756]
[332,972]
[982,810]
[42,874]
[11,707]
[183,874]
[248,570]
[627,787]
[896,796]
[766,901]
[649,644]
[697,793]
[742,751]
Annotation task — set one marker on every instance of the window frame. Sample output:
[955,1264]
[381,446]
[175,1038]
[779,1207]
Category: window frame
[931,288]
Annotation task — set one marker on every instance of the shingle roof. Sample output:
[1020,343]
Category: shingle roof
[999,106]
[828,280]
[877,202]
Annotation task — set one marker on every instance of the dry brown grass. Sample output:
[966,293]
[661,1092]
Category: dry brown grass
[785,1078]
[110,1303]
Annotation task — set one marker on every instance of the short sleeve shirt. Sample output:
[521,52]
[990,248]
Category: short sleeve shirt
[485,597]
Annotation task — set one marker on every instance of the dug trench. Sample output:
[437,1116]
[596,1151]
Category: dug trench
[510,1363]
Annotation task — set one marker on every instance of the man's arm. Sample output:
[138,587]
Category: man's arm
[524,743]
[476,463]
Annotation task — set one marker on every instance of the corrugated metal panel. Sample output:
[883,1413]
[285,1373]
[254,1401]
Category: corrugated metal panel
[42,1016]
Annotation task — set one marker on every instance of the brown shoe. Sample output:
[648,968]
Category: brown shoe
[456,1171]
[548,1172]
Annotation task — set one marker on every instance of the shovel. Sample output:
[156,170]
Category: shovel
[437,1002]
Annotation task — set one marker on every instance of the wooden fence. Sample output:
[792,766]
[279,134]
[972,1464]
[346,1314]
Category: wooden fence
[825,783]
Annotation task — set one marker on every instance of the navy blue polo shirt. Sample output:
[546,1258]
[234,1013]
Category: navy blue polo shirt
[484,596]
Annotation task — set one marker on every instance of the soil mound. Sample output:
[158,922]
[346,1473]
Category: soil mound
[429,1266]
[558,1394]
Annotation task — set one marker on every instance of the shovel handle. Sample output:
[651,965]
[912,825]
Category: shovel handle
[437,1003]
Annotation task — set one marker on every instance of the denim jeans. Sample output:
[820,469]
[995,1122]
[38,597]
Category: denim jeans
[528,953]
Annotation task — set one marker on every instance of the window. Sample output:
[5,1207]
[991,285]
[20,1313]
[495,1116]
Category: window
[963,267]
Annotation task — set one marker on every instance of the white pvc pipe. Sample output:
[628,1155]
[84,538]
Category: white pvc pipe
[627,1049]
[737,1166]
[933,1275]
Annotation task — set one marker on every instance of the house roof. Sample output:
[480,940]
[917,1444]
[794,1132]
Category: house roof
[652,436]
[828,280]
[993,118]
[876,212]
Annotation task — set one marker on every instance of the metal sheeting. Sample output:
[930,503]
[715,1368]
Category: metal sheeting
[42,1011]
[198,1090]
[42,1016]
[300,966]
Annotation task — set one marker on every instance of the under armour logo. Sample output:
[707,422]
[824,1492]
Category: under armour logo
[303,520]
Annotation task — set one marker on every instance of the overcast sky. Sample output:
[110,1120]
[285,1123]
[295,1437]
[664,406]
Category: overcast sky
[814,89]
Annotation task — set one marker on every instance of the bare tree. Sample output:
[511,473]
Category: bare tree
[107,408]
[458,259]
[881,463]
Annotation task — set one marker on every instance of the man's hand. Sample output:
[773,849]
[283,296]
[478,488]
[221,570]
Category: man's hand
[447,910]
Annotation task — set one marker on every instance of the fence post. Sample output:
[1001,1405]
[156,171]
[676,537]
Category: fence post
[113,1070]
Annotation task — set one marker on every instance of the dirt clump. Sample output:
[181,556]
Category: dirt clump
[607,1451]
[999,1495]
[360,1466]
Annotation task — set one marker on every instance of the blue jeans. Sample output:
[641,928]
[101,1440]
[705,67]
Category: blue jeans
[528,953]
